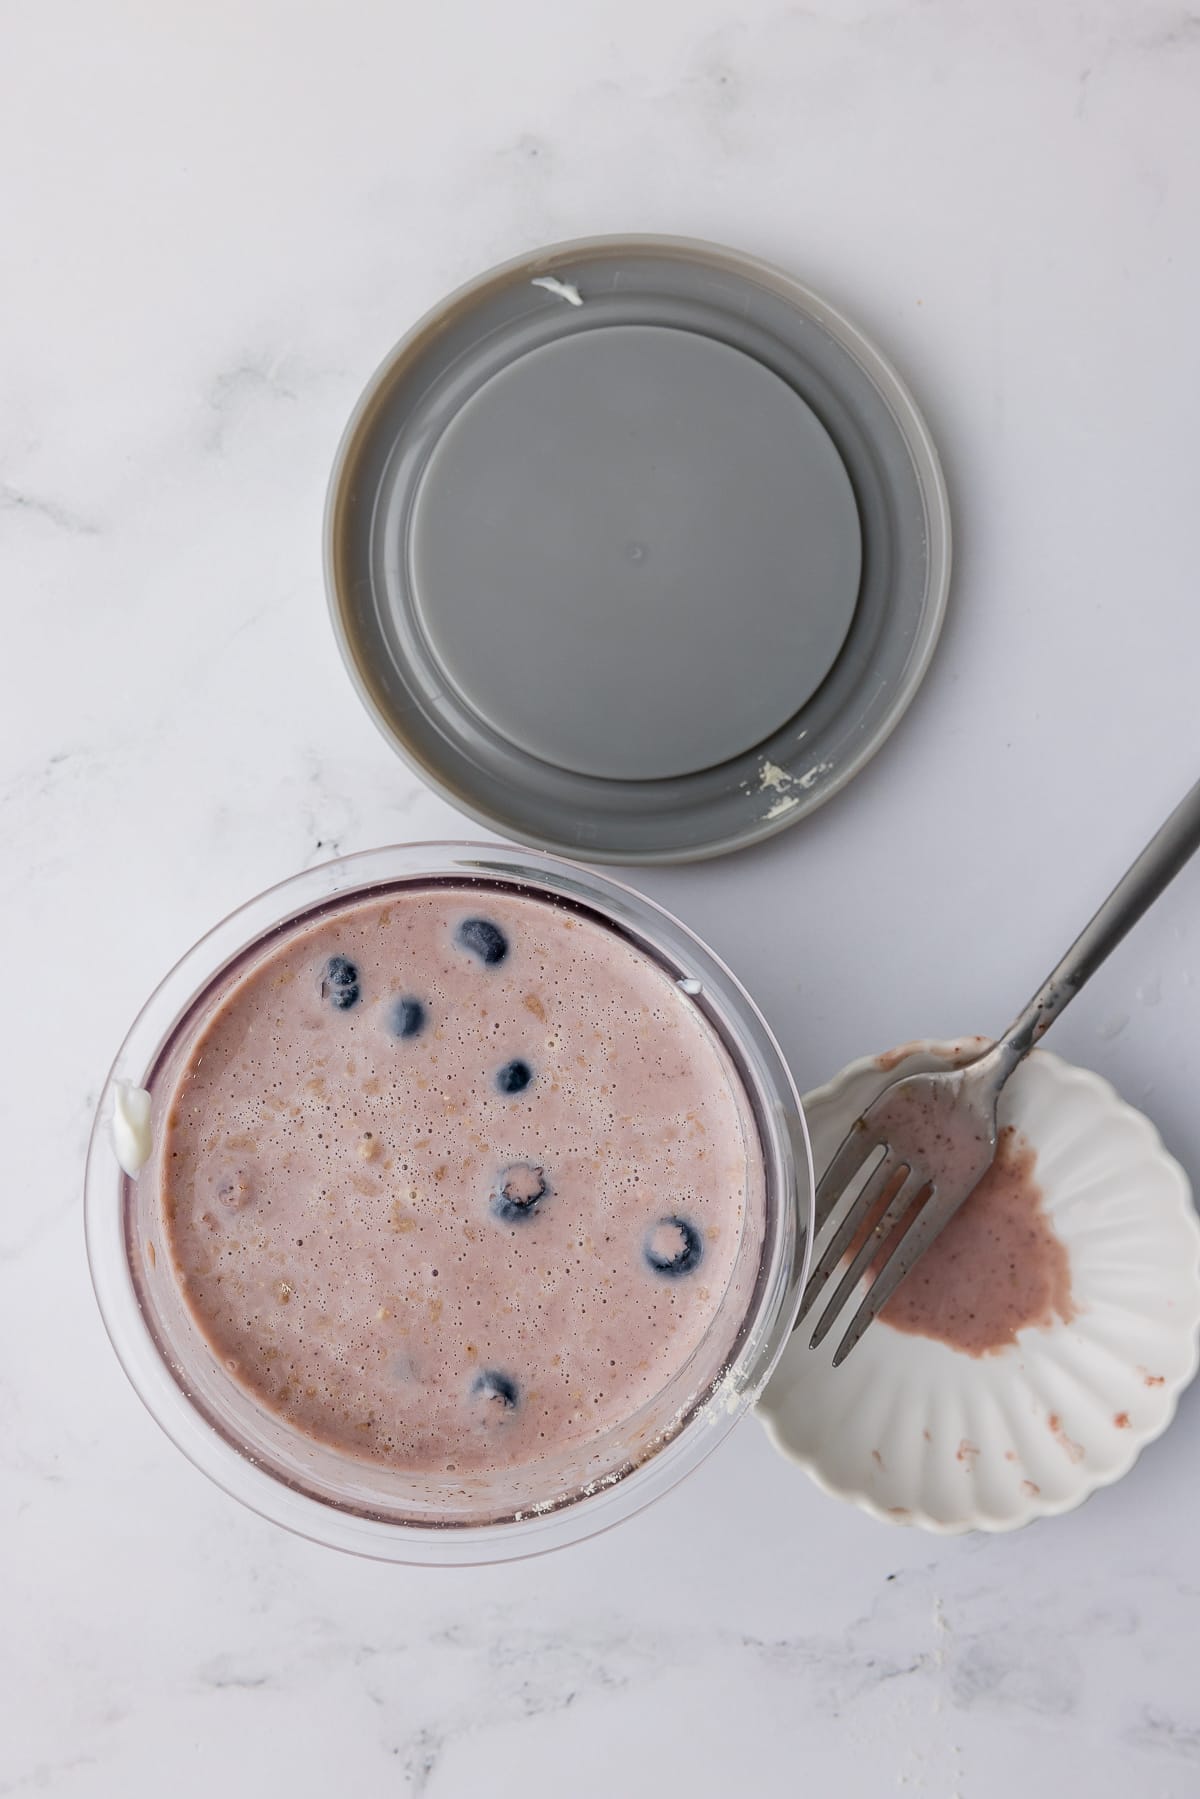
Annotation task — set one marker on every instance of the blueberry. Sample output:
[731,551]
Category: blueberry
[235,1189]
[340,983]
[499,1390]
[673,1246]
[519,1191]
[514,1077]
[484,939]
[406,1018]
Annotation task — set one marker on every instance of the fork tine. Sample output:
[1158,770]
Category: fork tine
[853,1151]
[902,1198]
[849,1226]
[907,1248]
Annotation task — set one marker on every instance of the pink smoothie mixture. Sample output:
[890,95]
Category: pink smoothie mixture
[998,1267]
[454,1179]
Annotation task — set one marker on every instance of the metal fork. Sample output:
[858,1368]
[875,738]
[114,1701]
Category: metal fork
[907,1200]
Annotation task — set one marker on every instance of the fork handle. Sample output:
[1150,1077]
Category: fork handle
[1134,893]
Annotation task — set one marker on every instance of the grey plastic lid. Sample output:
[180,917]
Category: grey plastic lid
[636,549]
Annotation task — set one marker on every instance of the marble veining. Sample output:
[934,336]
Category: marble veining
[35,506]
[214,230]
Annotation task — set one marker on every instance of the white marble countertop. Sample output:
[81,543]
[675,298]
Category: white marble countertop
[214,221]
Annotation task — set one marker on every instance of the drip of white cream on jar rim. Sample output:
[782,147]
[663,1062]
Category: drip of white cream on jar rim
[131,1127]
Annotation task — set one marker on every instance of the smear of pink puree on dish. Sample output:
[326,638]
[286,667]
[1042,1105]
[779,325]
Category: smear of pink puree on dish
[997,1268]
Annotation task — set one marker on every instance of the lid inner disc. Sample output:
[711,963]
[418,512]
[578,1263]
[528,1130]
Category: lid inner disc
[635,552]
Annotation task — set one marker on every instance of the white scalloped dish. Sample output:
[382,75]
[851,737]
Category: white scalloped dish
[916,1432]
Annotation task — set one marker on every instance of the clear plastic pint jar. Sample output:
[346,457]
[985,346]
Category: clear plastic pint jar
[437,1515]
